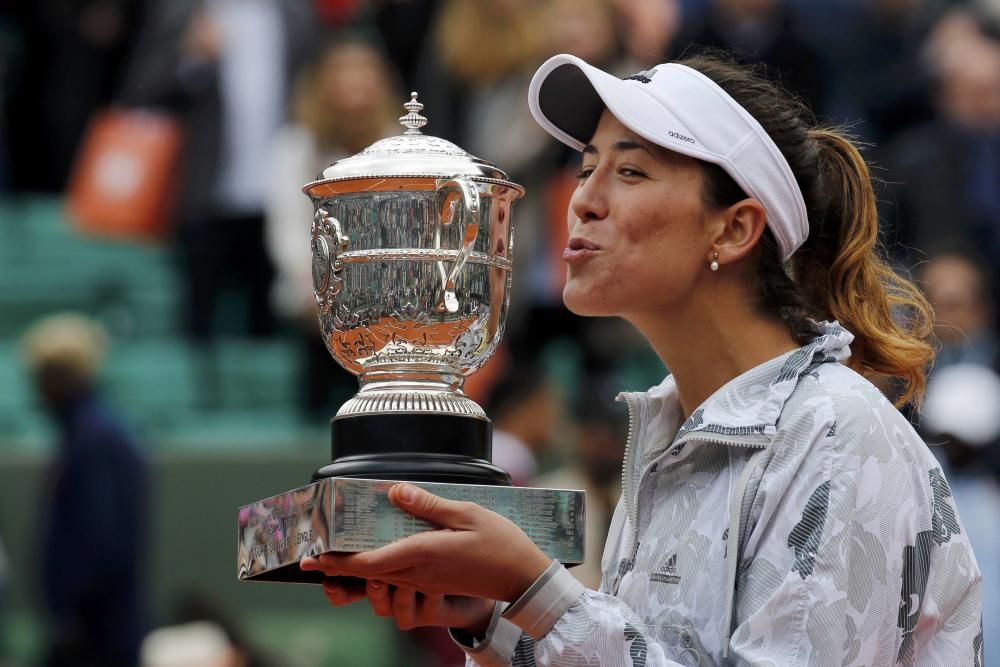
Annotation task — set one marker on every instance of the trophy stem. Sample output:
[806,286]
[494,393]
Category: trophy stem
[414,447]
[411,388]
[411,421]
[412,377]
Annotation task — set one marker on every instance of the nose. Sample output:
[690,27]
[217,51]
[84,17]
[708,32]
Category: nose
[589,201]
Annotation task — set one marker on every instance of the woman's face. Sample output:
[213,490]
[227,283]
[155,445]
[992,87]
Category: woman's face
[352,80]
[638,243]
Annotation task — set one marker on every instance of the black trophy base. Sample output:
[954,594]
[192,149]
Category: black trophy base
[442,448]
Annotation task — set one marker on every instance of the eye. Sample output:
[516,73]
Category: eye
[584,172]
[628,172]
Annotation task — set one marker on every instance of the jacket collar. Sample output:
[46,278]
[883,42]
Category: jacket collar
[751,403]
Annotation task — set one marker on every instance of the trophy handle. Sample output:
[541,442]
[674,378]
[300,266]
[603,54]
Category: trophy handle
[470,198]
[328,242]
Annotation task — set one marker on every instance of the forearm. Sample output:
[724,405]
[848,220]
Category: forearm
[558,622]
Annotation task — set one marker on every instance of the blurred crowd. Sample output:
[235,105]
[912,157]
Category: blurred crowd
[269,92]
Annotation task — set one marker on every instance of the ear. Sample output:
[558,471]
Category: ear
[743,224]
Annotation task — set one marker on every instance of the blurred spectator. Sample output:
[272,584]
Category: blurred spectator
[963,406]
[202,634]
[648,29]
[586,29]
[525,410]
[223,66]
[960,292]
[479,50]
[948,169]
[404,26]
[878,74]
[760,31]
[962,409]
[342,103]
[66,62]
[93,533]
[196,644]
[594,466]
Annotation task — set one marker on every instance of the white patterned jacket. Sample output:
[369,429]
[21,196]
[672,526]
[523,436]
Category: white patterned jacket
[850,548]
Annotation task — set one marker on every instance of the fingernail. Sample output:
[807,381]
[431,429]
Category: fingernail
[377,585]
[407,493]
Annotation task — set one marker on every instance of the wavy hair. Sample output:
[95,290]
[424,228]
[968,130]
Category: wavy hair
[840,272]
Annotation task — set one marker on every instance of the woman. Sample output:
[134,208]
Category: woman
[777,509]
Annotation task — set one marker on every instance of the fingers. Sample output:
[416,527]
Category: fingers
[380,597]
[413,609]
[390,562]
[366,565]
[405,603]
[437,510]
[402,603]
[341,592]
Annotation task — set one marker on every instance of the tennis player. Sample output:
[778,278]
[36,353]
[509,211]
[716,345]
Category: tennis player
[777,509]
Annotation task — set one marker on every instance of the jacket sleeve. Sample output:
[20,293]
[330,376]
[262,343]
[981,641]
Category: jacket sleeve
[560,623]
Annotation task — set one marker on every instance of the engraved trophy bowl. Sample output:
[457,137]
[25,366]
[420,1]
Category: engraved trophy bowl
[411,265]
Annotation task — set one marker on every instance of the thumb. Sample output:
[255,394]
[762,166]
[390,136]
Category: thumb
[441,511]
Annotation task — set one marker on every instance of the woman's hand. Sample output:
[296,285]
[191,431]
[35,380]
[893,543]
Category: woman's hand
[477,554]
[412,609]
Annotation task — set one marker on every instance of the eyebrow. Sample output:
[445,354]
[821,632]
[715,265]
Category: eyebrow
[624,145]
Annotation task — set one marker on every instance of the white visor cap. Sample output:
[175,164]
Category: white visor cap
[680,109]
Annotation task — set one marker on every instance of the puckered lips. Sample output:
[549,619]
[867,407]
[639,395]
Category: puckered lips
[579,249]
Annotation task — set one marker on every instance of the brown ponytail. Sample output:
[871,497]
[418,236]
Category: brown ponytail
[839,272]
[843,273]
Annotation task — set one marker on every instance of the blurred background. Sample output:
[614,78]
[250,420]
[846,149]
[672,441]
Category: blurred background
[160,362]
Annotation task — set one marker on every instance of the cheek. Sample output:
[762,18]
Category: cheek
[673,229]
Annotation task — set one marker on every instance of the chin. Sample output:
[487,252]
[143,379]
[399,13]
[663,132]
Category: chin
[585,303]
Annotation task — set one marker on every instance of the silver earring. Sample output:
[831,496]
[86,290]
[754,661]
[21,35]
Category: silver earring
[715,262]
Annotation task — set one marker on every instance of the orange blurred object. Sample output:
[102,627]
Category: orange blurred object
[559,190]
[123,183]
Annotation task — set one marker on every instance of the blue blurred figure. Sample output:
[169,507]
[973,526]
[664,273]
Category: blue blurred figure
[93,533]
[961,410]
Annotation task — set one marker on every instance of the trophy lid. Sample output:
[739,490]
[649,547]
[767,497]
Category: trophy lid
[410,154]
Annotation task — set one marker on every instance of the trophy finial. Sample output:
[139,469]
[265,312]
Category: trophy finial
[413,121]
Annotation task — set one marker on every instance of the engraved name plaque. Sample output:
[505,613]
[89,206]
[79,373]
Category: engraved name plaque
[352,515]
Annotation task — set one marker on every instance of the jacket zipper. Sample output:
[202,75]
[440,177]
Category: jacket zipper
[628,490]
[754,441]
[627,462]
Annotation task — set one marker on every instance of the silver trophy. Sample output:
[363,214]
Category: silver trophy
[411,265]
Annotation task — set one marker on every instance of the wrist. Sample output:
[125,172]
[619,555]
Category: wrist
[545,602]
[479,627]
[534,568]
